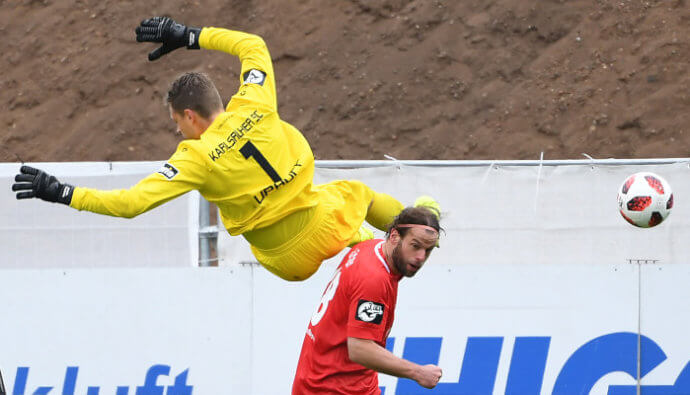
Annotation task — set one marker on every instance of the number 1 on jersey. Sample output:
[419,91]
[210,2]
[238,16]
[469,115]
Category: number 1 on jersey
[249,150]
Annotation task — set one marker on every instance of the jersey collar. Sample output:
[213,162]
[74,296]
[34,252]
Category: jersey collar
[379,254]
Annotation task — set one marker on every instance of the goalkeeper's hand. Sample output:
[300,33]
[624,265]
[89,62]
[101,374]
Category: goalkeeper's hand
[165,30]
[35,183]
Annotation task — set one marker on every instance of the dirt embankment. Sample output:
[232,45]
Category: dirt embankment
[415,79]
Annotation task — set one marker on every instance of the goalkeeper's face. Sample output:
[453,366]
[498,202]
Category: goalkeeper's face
[185,123]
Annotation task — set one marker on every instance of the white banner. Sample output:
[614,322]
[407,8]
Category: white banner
[492,214]
[526,214]
[539,287]
[34,233]
[110,328]
[503,329]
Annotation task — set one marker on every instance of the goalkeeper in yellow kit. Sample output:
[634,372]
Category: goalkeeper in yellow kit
[255,167]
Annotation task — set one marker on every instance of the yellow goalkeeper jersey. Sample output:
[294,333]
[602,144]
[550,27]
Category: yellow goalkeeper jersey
[252,165]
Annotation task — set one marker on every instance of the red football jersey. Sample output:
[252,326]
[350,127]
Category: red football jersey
[359,301]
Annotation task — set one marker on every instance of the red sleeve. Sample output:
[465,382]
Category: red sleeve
[369,309]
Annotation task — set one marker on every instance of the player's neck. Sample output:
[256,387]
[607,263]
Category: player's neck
[205,123]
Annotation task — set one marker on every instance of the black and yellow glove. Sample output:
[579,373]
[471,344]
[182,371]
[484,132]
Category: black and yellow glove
[165,30]
[35,183]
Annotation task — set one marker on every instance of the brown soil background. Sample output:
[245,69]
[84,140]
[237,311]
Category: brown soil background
[414,79]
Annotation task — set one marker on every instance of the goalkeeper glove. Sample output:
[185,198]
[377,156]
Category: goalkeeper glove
[35,183]
[165,30]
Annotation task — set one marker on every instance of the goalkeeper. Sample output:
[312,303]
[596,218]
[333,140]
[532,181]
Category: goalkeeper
[255,167]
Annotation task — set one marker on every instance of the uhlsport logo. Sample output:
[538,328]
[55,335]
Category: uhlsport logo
[254,76]
[369,311]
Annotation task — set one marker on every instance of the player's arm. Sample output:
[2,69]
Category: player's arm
[256,76]
[258,81]
[367,325]
[147,194]
[175,179]
[371,355]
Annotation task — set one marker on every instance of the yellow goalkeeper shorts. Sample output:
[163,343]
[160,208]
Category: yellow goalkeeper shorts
[334,221]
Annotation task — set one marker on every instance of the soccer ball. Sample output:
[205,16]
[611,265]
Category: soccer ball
[645,199]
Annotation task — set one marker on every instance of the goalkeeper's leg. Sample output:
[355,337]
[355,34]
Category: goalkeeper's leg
[383,209]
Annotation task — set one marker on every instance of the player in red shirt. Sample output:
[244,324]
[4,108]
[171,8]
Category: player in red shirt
[344,346]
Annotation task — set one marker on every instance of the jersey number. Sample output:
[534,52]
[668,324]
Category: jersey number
[249,150]
[325,299]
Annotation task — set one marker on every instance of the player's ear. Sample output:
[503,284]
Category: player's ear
[190,114]
[394,236]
